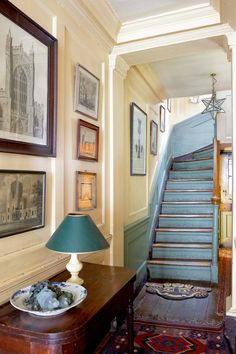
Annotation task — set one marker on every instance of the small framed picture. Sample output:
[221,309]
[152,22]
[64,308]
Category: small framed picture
[88,135]
[138,141]
[162,118]
[22,201]
[86,92]
[153,137]
[169,104]
[86,190]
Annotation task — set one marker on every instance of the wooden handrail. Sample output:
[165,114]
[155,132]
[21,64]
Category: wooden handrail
[216,173]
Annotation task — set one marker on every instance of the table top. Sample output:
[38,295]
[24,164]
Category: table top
[102,282]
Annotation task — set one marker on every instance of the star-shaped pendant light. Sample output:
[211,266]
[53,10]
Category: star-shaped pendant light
[213,106]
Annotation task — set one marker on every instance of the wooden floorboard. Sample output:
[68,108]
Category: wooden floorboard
[193,311]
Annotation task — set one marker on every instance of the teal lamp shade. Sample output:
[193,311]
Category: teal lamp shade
[75,235]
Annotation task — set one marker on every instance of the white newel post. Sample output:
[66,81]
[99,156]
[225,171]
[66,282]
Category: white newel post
[231,303]
[118,69]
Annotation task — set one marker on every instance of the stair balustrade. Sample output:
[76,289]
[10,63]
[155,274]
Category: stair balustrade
[215,202]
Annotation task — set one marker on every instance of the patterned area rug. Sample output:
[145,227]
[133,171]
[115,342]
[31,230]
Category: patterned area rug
[151,338]
[177,291]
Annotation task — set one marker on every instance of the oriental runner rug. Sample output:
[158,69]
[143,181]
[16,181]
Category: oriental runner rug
[152,338]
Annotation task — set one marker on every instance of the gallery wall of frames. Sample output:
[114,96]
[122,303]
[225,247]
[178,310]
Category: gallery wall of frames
[51,159]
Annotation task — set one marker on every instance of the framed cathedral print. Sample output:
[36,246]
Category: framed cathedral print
[138,137]
[28,76]
[22,200]
[86,92]
[86,190]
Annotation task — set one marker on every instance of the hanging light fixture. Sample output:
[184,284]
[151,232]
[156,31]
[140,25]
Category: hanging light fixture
[213,106]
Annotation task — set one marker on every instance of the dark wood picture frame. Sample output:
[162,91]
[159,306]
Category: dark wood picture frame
[87,141]
[23,195]
[86,191]
[162,118]
[138,141]
[153,137]
[30,127]
[86,92]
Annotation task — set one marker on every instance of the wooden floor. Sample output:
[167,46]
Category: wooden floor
[203,312]
[208,312]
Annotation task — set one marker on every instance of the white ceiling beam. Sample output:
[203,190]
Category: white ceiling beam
[188,18]
[133,52]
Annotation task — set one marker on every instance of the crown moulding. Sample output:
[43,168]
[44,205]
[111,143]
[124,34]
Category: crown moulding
[192,17]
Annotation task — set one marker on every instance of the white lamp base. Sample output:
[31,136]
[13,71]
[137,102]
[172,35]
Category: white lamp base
[74,267]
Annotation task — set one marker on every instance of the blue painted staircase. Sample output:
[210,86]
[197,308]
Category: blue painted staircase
[182,248]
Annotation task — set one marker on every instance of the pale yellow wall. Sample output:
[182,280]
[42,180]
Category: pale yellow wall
[137,188]
[23,257]
[183,109]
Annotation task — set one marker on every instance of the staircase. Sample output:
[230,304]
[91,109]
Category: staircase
[182,249]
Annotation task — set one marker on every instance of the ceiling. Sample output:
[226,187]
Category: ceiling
[183,69]
[131,10]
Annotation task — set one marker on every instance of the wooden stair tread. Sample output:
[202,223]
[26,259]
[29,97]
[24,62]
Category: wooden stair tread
[169,229]
[187,190]
[186,202]
[182,245]
[180,262]
[193,169]
[186,216]
[194,160]
[189,179]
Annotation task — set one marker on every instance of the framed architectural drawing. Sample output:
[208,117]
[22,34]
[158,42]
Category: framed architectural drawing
[138,141]
[162,118]
[153,137]
[22,201]
[86,93]
[88,135]
[28,76]
[86,190]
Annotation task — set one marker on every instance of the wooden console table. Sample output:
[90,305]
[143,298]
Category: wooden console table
[78,330]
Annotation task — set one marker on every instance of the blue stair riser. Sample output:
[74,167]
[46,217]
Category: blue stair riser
[182,253]
[187,209]
[183,237]
[179,272]
[191,174]
[206,153]
[189,185]
[188,165]
[186,222]
[187,196]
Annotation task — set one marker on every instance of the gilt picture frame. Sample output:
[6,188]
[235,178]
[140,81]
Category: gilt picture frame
[138,141]
[87,141]
[153,137]
[28,77]
[22,201]
[86,92]
[86,191]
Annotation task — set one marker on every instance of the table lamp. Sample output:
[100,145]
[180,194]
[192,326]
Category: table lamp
[76,234]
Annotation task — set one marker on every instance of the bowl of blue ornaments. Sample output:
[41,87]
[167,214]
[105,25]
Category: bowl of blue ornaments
[48,298]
